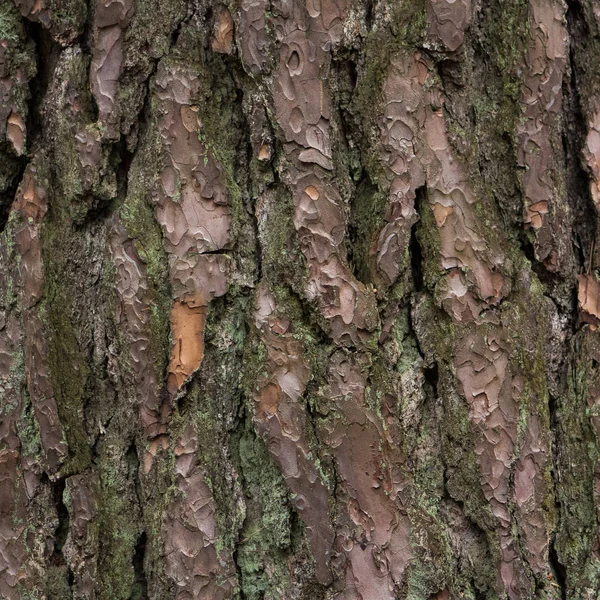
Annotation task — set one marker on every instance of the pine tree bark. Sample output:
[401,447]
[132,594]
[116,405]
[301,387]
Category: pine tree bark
[299,299]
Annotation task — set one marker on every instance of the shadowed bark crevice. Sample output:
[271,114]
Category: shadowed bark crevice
[574,139]
[415,251]
[62,528]
[140,585]
[559,572]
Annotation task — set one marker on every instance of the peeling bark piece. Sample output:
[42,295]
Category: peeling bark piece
[81,546]
[448,20]
[530,492]
[13,554]
[31,205]
[35,10]
[280,416]
[376,541]
[264,152]
[187,352]
[133,314]
[302,107]
[536,133]
[592,154]
[193,205]
[16,573]
[417,152]
[588,293]
[401,122]
[198,569]
[486,383]
[193,210]
[16,132]
[253,35]
[111,20]
[199,279]
[222,40]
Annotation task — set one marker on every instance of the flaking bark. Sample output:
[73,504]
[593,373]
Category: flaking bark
[299,300]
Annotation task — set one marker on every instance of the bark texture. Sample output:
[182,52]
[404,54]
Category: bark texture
[299,299]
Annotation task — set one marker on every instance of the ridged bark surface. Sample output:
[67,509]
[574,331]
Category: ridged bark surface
[299,299]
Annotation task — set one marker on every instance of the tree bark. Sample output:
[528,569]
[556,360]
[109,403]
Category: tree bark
[299,300]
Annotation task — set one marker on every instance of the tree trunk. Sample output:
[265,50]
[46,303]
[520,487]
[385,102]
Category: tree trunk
[299,300]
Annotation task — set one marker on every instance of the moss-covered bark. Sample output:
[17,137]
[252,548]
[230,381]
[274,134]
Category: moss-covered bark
[299,300]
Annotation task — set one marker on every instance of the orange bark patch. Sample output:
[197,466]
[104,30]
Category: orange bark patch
[223,32]
[31,202]
[441,213]
[264,152]
[15,131]
[187,352]
[312,192]
[268,401]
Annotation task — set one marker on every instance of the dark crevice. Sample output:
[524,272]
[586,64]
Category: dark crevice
[206,252]
[46,52]
[359,230]
[139,589]
[62,530]
[560,572]
[574,137]
[430,376]
[47,55]
[8,195]
[558,569]
[86,35]
[369,14]
[239,541]
[416,253]
[123,158]
[177,31]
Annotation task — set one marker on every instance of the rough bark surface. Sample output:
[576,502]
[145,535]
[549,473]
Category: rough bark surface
[299,299]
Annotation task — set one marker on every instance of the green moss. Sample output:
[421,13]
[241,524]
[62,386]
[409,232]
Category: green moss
[57,583]
[68,369]
[576,533]
[266,535]
[68,17]
[10,23]
[282,259]
[28,430]
[505,37]
[428,236]
[118,522]
[369,204]
[65,156]
[67,365]
[19,59]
